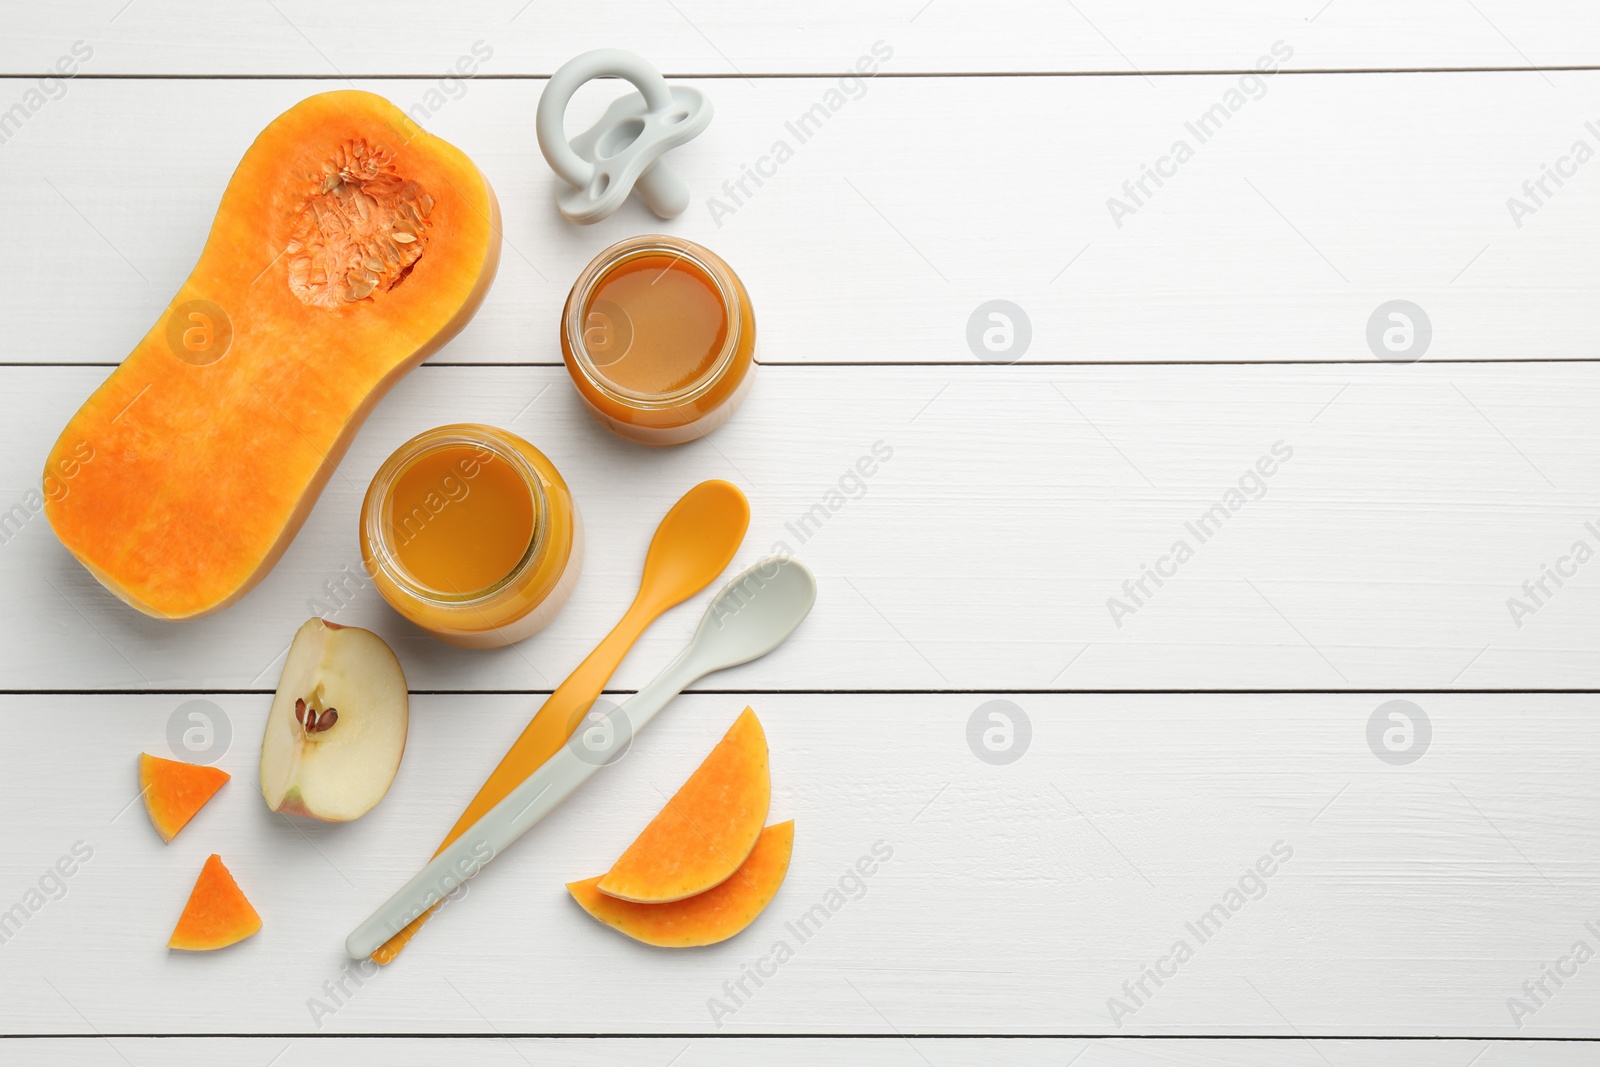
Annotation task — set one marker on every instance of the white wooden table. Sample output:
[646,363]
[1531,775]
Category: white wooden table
[1175,340]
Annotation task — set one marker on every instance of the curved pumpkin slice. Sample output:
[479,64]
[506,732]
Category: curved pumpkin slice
[217,914]
[712,916]
[706,830]
[348,247]
[173,792]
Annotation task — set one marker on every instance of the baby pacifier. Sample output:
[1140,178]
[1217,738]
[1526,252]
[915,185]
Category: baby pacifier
[624,150]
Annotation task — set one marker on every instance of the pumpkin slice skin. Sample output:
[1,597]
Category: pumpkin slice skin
[709,917]
[174,792]
[183,478]
[708,827]
[217,914]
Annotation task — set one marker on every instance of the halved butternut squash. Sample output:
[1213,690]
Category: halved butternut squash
[709,917]
[174,792]
[217,914]
[708,827]
[348,247]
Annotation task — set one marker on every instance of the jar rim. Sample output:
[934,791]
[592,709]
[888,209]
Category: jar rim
[380,493]
[709,264]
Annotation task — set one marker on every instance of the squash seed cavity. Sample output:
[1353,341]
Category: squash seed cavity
[360,229]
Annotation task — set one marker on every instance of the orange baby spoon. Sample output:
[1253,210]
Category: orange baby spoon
[694,543]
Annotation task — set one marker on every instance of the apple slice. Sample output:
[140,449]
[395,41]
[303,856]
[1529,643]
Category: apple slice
[337,727]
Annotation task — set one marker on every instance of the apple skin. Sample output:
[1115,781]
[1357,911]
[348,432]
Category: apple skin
[294,804]
[341,771]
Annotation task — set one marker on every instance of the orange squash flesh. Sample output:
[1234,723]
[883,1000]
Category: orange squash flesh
[180,482]
[217,915]
[706,830]
[709,917]
[174,792]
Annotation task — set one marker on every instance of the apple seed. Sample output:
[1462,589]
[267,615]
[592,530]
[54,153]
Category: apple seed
[313,721]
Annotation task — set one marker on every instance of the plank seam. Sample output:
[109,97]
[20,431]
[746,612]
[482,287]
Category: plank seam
[852,692]
[1555,361]
[1173,72]
[766,1036]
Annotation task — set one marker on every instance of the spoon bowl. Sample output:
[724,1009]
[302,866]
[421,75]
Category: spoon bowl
[753,614]
[694,543]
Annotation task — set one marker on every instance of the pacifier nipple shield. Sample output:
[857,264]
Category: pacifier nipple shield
[623,151]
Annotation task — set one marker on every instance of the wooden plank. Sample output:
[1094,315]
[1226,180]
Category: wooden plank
[790,1052]
[1003,898]
[1320,199]
[703,36]
[990,550]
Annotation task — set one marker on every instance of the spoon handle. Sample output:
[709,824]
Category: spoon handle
[553,723]
[514,815]
[542,738]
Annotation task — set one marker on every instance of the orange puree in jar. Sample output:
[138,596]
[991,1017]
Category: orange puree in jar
[674,328]
[659,338]
[483,525]
[471,533]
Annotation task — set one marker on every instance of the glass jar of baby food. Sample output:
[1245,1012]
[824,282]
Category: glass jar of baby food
[471,533]
[659,338]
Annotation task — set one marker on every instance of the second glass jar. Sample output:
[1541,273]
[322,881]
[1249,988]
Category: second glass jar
[659,337]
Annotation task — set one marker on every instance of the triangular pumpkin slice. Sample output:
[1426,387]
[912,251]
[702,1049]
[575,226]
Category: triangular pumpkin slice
[173,792]
[217,914]
[712,916]
[706,830]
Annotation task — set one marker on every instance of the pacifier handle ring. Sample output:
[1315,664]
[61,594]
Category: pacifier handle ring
[564,84]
